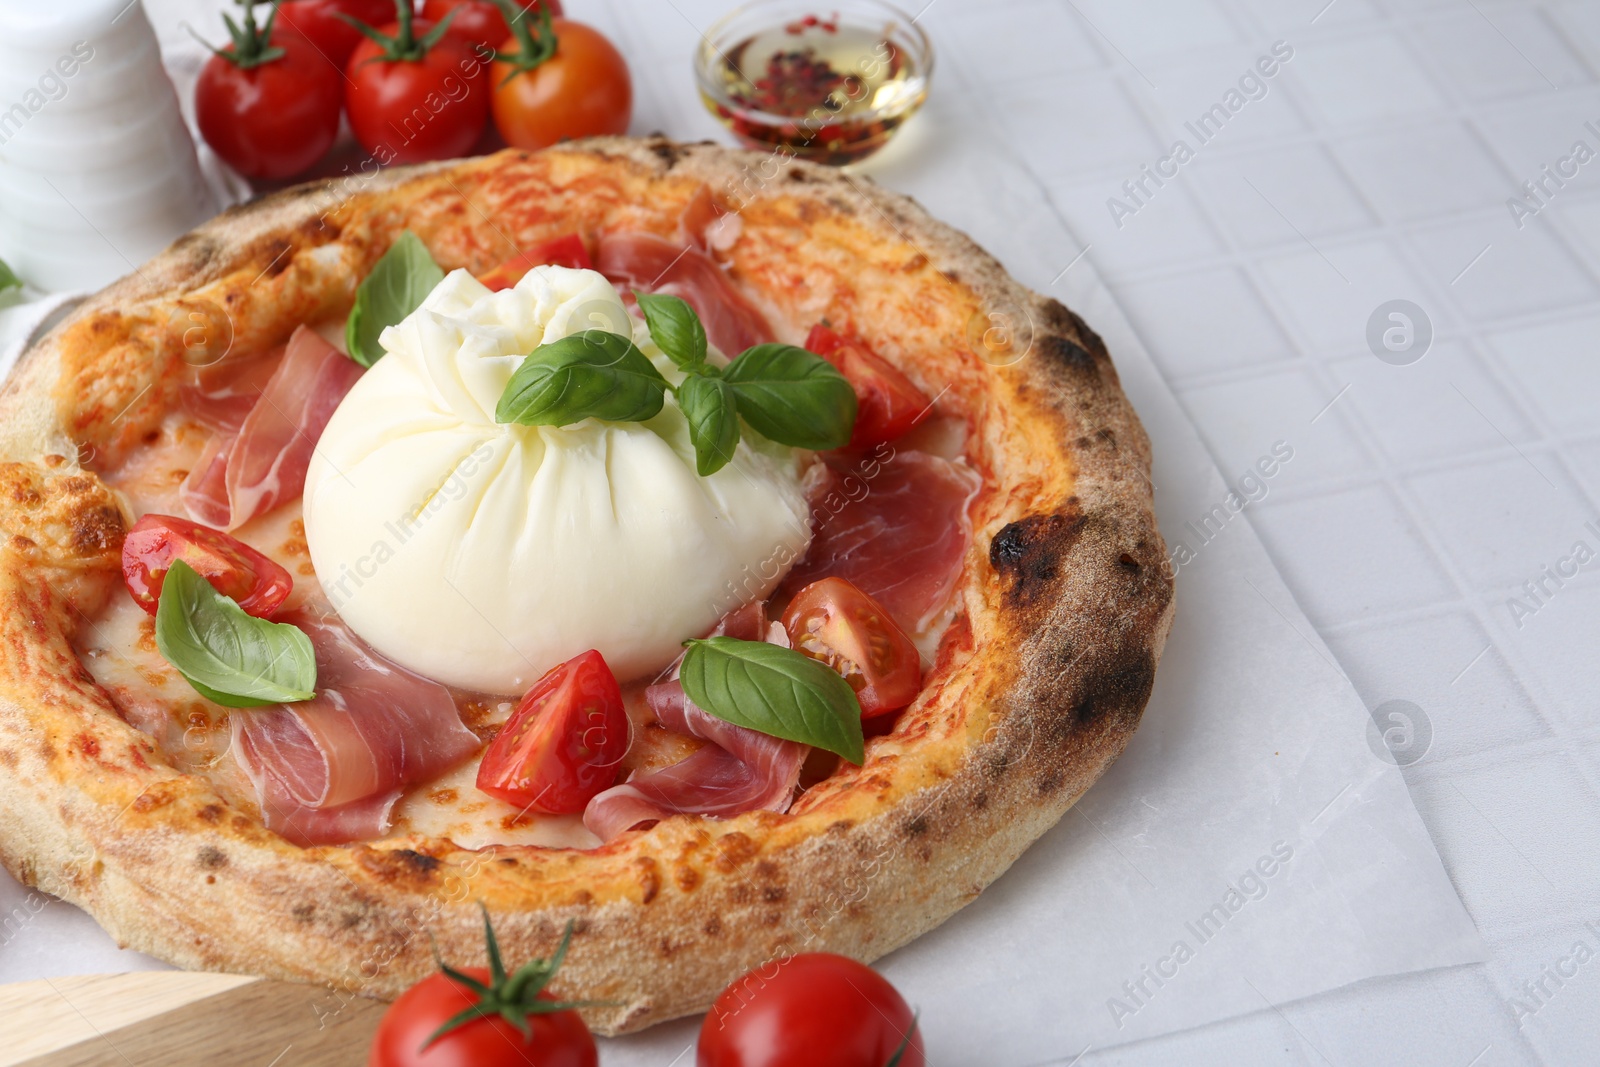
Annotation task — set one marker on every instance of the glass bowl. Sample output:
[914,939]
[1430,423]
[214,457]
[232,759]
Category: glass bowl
[830,81]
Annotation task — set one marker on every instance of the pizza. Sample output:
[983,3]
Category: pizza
[708,555]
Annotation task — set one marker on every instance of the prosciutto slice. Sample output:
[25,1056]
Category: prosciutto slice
[265,463]
[898,530]
[656,265]
[739,770]
[222,395]
[330,769]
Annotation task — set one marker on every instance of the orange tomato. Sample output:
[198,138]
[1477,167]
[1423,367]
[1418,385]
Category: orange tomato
[582,90]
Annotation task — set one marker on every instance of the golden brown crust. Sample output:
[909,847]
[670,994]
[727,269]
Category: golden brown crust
[1038,687]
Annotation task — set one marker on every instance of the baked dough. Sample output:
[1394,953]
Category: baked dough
[1063,604]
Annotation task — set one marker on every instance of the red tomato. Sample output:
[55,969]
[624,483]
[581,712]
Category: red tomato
[567,251]
[835,623]
[232,567]
[409,105]
[889,403]
[563,742]
[480,21]
[560,1039]
[581,90]
[318,21]
[272,119]
[806,1010]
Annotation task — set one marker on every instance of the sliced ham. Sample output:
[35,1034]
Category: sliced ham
[656,265]
[330,769]
[738,770]
[265,463]
[898,530]
[221,395]
[707,224]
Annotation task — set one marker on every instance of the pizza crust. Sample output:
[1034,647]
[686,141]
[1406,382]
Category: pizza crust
[1039,684]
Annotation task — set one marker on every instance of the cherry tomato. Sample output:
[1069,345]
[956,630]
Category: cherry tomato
[889,403]
[480,21]
[806,1010]
[268,117]
[318,21]
[422,1029]
[566,251]
[409,103]
[835,623]
[563,742]
[582,89]
[232,567]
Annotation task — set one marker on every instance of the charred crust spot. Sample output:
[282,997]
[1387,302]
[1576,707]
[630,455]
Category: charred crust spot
[713,926]
[798,175]
[1064,322]
[667,152]
[768,870]
[1069,354]
[649,879]
[211,813]
[1128,563]
[774,894]
[733,850]
[98,529]
[1028,552]
[211,857]
[917,826]
[980,801]
[740,893]
[1121,690]
[1050,783]
[303,913]
[397,866]
[417,861]
[350,920]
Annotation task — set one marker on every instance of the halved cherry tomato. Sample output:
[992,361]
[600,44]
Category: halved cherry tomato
[565,251]
[561,80]
[888,403]
[835,623]
[480,21]
[816,1008]
[232,567]
[563,742]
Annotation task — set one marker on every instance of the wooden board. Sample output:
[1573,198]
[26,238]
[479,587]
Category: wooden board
[177,1019]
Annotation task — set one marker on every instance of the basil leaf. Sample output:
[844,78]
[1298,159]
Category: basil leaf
[675,327]
[774,690]
[397,286]
[713,416]
[8,278]
[230,657]
[593,374]
[793,397]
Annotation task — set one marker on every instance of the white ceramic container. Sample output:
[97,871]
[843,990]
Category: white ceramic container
[97,169]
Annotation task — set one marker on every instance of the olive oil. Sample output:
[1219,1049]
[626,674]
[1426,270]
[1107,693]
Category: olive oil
[822,88]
